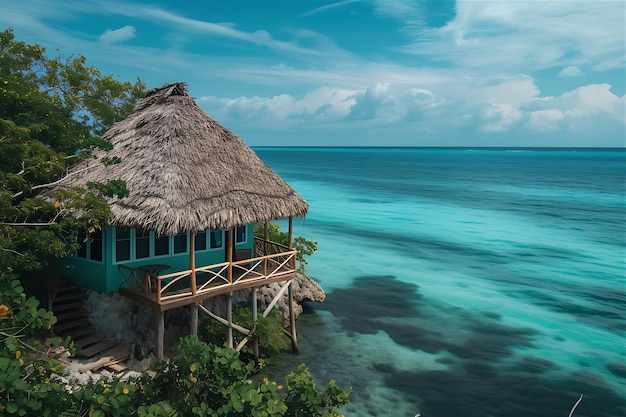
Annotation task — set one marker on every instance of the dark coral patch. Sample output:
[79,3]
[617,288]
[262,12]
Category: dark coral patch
[617,369]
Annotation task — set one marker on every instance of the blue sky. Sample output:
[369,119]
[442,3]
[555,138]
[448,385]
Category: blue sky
[363,73]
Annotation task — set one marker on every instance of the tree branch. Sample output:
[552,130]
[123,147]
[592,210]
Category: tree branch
[29,224]
[12,251]
[51,184]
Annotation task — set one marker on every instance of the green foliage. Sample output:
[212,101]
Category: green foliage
[200,380]
[29,369]
[52,111]
[207,380]
[275,234]
[305,400]
[268,330]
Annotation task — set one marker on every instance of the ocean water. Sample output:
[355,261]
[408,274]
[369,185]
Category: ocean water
[464,282]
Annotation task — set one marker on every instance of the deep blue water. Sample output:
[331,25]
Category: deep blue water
[461,282]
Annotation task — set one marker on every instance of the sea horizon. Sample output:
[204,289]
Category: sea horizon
[539,148]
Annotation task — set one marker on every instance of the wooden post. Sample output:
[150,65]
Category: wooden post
[290,239]
[292,320]
[192,264]
[160,334]
[290,232]
[194,319]
[255,338]
[229,318]
[266,236]
[229,255]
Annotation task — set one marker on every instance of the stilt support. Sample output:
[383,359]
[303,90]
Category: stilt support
[160,334]
[255,338]
[292,321]
[229,318]
[194,319]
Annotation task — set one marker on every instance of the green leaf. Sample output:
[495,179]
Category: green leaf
[11,408]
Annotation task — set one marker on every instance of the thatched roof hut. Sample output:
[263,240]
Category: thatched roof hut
[185,171]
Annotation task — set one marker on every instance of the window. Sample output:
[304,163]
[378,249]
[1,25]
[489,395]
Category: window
[142,244]
[201,240]
[216,239]
[95,246]
[122,244]
[180,243]
[240,234]
[161,245]
[81,252]
[90,246]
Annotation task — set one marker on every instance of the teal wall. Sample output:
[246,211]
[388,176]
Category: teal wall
[105,276]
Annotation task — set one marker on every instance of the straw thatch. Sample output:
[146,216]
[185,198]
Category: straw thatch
[185,171]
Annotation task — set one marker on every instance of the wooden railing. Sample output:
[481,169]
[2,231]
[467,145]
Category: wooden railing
[273,260]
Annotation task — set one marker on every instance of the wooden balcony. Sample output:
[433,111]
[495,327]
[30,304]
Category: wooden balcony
[271,263]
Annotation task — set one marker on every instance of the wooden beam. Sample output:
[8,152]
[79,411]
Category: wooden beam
[223,321]
[276,298]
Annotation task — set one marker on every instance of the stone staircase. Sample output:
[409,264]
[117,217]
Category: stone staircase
[68,306]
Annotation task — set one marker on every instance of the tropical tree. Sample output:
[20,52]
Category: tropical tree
[52,113]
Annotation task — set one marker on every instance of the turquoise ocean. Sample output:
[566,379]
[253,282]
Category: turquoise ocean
[464,282]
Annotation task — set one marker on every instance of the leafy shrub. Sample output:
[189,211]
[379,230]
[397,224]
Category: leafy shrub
[208,380]
[303,246]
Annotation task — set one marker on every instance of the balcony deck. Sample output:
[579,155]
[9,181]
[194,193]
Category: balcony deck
[272,263]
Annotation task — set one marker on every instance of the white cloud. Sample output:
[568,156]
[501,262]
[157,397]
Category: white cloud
[526,35]
[499,117]
[546,120]
[278,112]
[582,108]
[570,71]
[117,35]
[328,7]
[593,99]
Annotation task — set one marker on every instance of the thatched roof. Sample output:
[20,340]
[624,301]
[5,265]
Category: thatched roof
[185,171]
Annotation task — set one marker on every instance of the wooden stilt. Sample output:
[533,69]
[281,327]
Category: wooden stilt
[255,340]
[292,322]
[290,237]
[229,255]
[229,318]
[192,261]
[290,240]
[160,334]
[194,319]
